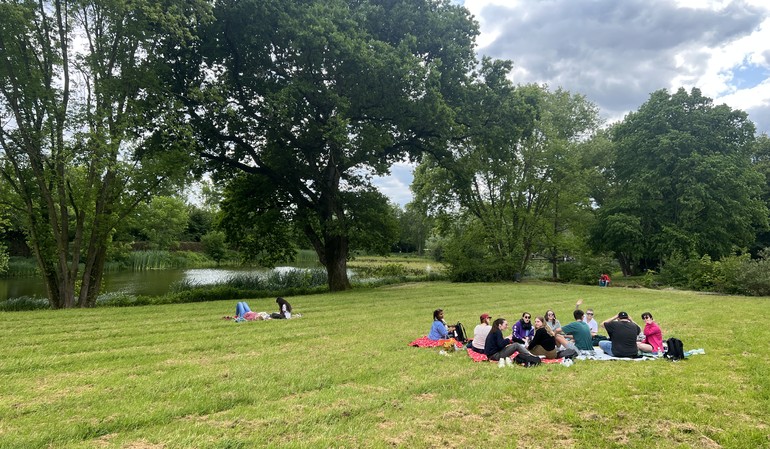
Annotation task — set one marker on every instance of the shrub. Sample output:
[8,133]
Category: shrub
[586,269]
[24,303]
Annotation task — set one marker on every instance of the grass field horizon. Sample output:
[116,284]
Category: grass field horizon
[178,376]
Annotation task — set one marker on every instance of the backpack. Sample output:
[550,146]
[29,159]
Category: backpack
[460,334]
[675,349]
[526,360]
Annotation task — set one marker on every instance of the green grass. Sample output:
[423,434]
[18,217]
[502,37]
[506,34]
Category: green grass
[178,376]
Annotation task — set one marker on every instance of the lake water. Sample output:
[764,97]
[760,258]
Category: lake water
[151,282]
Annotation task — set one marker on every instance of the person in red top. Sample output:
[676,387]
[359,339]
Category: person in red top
[653,337]
[604,280]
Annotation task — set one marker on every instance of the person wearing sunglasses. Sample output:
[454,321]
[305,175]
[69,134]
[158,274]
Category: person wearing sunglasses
[589,318]
[501,349]
[653,337]
[523,329]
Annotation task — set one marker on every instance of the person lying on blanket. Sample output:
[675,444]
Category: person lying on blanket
[496,347]
[439,330]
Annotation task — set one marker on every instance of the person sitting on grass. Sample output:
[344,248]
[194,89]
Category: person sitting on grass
[550,320]
[543,342]
[579,331]
[439,330]
[523,329]
[653,337]
[480,333]
[284,309]
[604,280]
[498,348]
[622,331]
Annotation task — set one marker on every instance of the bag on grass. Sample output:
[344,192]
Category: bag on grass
[675,349]
[527,360]
[568,353]
[460,334]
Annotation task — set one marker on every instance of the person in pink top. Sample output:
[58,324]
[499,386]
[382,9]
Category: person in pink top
[653,337]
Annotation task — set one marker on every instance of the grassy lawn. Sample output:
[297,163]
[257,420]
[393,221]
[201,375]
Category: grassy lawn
[179,376]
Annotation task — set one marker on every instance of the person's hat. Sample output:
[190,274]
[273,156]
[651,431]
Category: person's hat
[484,316]
[623,315]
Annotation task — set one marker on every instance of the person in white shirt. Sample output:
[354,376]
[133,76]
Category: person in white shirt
[588,318]
[480,333]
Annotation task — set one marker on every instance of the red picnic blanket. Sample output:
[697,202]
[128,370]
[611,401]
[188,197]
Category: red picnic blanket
[425,342]
[478,357]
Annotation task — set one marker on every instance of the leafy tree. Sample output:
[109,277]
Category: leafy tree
[78,81]
[215,245]
[314,97]
[414,228]
[682,181]
[161,222]
[515,170]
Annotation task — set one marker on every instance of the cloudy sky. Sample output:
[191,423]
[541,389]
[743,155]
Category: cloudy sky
[616,52]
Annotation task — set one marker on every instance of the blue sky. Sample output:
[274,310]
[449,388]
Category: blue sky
[616,52]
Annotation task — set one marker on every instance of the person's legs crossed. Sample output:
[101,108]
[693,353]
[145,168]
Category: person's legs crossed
[606,346]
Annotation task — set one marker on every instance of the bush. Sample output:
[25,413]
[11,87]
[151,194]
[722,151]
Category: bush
[586,269]
[24,303]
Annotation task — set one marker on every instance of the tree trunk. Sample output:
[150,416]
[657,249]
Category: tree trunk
[337,263]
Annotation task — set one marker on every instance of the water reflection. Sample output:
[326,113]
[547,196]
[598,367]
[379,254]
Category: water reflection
[152,282]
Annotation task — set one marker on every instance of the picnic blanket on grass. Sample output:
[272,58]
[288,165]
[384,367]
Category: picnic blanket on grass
[425,342]
[478,357]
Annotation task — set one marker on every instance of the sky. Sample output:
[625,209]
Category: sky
[617,52]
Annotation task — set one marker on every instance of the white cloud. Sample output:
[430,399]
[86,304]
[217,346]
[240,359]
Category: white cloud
[617,52]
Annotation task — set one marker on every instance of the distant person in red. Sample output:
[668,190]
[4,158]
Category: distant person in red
[604,280]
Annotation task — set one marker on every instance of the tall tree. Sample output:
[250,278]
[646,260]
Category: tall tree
[76,79]
[514,171]
[683,182]
[314,97]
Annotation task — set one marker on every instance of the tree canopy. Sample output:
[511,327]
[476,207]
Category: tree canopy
[312,98]
[77,81]
[682,180]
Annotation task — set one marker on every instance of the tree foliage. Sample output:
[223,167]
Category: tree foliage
[77,81]
[682,181]
[313,98]
[516,171]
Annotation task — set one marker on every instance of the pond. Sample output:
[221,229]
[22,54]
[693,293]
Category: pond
[150,282]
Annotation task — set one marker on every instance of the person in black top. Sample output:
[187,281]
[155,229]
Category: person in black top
[543,343]
[623,332]
[284,309]
[496,347]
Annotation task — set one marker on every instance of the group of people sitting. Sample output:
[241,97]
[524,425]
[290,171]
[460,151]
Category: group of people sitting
[546,336]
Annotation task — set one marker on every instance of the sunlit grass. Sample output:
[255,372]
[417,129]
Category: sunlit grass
[178,376]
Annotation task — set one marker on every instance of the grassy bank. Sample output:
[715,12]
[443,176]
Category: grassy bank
[178,376]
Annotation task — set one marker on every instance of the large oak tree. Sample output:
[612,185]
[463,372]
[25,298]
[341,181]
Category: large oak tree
[311,98]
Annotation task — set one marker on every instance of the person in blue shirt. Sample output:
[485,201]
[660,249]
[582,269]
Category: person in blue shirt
[439,330]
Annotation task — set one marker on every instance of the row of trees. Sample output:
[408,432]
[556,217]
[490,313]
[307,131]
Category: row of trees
[293,106]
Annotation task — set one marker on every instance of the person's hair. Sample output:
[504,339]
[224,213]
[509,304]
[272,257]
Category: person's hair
[496,324]
[281,302]
[578,314]
[435,314]
[546,315]
[545,326]
[647,314]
